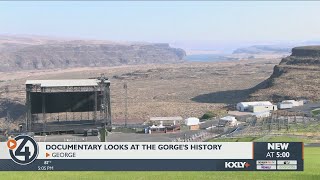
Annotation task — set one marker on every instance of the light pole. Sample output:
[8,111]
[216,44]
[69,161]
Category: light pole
[125,86]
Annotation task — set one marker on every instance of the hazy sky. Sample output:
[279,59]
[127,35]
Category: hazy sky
[164,21]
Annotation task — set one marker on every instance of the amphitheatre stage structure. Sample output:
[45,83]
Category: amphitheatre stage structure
[67,105]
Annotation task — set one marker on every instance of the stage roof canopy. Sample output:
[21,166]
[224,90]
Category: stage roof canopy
[65,82]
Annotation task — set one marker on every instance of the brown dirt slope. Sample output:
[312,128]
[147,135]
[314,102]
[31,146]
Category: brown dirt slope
[184,89]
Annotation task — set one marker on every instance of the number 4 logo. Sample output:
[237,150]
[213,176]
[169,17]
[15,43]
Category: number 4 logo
[23,149]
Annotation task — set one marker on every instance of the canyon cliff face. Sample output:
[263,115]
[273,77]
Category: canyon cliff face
[296,77]
[65,54]
[306,55]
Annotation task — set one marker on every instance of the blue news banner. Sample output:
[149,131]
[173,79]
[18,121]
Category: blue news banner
[23,153]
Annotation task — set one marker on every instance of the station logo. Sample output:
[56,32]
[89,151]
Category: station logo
[23,149]
[238,165]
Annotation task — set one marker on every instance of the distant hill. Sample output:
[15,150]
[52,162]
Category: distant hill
[28,53]
[296,77]
[263,49]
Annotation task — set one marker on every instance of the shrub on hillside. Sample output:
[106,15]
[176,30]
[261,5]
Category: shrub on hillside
[212,114]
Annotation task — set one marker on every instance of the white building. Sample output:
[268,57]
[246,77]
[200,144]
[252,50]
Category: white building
[285,105]
[263,114]
[164,121]
[288,104]
[257,106]
[262,108]
[191,121]
[163,124]
[294,103]
[231,120]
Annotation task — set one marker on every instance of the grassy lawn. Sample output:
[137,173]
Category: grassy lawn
[283,138]
[237,139]
[312,171]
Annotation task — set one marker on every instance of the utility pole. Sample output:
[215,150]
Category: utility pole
[125,86]
[103,111]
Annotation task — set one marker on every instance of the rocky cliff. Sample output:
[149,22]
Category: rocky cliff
[64,54]
[296,77]
[305,55]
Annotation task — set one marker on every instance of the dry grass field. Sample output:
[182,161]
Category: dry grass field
[186,89]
